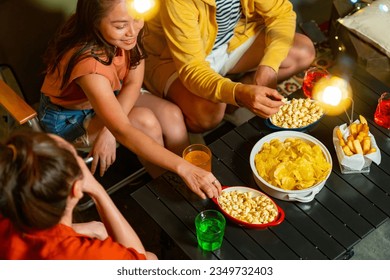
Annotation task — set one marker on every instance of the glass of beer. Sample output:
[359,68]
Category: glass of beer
[382,113]
[199,155]
[312,76]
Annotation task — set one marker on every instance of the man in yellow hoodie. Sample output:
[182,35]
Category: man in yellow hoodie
[193,47]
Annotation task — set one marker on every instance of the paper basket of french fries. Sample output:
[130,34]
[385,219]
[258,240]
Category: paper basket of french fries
[355,147]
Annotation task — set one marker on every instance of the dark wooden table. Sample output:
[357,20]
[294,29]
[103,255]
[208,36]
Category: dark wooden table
[346,210]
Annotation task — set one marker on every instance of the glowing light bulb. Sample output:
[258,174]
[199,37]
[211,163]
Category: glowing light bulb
[332,95]
[143,9]
[142,6]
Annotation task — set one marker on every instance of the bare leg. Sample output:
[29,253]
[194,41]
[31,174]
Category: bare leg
[200,114]
[300,56]
[171,120]
[143,119]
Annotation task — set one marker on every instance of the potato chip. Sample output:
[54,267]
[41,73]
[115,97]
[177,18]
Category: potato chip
[293,164]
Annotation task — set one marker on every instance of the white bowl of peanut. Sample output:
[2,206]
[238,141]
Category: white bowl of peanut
[290,165]
[297,114]
[249,207]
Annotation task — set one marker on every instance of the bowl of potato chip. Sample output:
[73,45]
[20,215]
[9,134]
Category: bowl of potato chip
[249,207]
[299,114]
[290,165]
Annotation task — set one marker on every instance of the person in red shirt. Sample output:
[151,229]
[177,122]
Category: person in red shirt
[41,181]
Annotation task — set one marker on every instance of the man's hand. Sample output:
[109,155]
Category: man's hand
[266,76]
[261,100]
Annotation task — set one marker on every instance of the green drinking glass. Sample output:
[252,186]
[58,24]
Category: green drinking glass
[210,229]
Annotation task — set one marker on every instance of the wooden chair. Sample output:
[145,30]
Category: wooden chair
[13,102]
[20,114]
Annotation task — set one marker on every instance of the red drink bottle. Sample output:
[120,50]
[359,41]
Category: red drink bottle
[382,113]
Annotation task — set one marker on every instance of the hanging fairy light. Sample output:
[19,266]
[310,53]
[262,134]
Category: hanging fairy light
[144,9]
[357,6]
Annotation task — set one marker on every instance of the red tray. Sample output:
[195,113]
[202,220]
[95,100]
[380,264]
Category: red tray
[255,193]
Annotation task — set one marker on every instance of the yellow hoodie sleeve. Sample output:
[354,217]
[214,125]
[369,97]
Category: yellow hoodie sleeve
[190,31]
[280,24]
[186,32]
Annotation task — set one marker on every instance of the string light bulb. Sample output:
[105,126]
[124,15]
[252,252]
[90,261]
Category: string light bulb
[334,94]
[143,9]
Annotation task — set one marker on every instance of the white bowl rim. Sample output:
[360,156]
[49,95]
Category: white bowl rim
[288,134]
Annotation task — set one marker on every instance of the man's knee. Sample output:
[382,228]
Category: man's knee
[306,48]
[175,114]
[205,119]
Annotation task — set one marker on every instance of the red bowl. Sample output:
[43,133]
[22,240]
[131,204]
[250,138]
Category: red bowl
[254,192]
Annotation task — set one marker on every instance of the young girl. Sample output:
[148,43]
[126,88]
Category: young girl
[41,181]
[91,95]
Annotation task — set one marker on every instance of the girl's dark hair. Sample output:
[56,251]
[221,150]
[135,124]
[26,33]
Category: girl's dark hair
[36,177]
[81,31]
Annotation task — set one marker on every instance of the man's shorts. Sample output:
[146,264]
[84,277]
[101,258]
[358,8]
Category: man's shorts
[220,60]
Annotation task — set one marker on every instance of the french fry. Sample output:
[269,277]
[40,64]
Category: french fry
[351,146]
[372,150]
[359,127]
[365,128]
[353,129]
[339,134]
[362,119]
[347,151]
[366,144]
[342,142]
[361,136]
[358,147]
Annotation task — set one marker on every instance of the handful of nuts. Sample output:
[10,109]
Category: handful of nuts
[242,206]
[297,113]
[358,141]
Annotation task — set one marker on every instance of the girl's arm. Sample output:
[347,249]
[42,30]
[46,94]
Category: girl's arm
[107,107]
[116,225]
[131,88]
[93,229]
[104,148]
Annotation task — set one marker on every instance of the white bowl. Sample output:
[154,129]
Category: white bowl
[305,195]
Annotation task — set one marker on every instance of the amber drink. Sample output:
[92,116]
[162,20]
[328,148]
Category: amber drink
[199,155]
